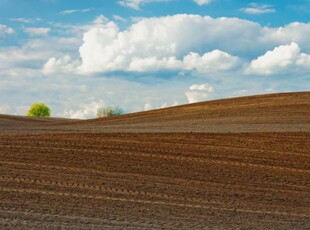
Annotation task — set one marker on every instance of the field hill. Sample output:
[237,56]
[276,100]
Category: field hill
[240,163]
[286,112]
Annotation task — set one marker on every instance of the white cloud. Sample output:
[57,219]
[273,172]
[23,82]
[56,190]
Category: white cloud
[214,61]
[65,12]
[182,42]
[63,65]
[202,2]
[293,32]
[161,43]
[154,64]
[135,4]
[148,106]
[85,111]
[210,62]
[279,59]
[198,93]
[303,60]
[179,43]
[119,18]
[35,52]
[97,51]
[255,8]
[5,30]
[100,20]
[36,31]
[23,20]
[276,59]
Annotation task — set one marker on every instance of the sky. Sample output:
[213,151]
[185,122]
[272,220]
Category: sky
[77,56]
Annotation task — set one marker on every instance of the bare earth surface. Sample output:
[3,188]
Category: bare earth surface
[241,163]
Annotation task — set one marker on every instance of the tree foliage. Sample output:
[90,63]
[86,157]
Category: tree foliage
[109,111]
[39,110]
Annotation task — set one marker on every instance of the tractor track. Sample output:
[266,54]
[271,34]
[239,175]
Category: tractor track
[119,146]
[103,189]
[149,202]
[169,157]
[262,187]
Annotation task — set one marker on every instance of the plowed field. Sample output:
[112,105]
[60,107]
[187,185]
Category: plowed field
[64,174]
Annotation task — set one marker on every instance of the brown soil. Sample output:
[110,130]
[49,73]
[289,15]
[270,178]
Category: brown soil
[82,175]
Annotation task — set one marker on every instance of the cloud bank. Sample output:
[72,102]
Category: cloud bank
[184,43]
[174,42]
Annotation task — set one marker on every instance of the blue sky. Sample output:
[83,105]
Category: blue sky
[78,55]
[48,10]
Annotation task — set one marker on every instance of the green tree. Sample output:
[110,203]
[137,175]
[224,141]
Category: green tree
[39,110]
[109,111]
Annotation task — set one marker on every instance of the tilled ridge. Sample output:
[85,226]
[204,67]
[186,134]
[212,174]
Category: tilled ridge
[201,181]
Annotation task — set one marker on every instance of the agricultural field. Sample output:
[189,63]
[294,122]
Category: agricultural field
[241,163]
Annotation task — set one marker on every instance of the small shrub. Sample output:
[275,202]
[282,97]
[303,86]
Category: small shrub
[109,112]
[39,110]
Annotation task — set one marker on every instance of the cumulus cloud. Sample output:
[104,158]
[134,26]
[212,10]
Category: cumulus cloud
[5,30]
[63,65]
[36,31]
[35,52]
[210,62]
[135,4]
[97,52]
[202,2]
[198,93]
[255,8]
[293,32]
[275,60]
[162,43]
[214,61]
[85,111]
[182,42]
[279,59]
[154,64]
[155,44]
[303,60]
